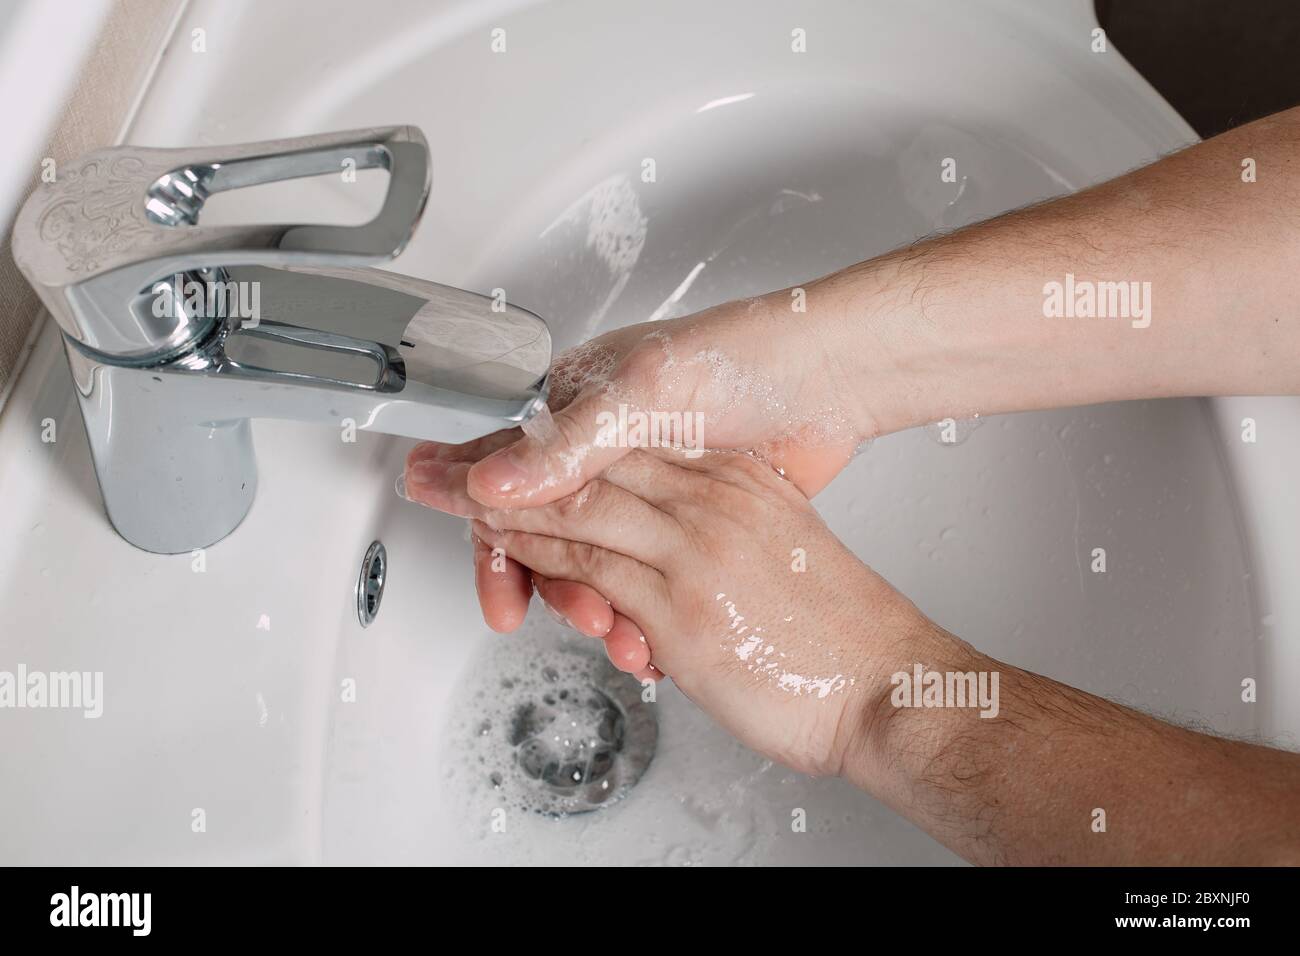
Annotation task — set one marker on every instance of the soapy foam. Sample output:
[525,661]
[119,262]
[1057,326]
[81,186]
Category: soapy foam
[704,800]
[729,389]
[583,366]
[731,386]
[556,731]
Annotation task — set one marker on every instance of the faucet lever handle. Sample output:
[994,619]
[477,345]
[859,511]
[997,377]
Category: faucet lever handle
[121,219]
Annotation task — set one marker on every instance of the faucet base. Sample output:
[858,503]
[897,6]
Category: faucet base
[172,488]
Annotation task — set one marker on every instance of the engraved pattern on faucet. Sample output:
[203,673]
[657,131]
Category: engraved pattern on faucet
[96,213]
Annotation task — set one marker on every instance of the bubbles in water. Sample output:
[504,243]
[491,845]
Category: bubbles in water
[556,731]
[725,386]
[587,364]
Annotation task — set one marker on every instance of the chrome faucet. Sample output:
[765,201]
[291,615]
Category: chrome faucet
[179,333]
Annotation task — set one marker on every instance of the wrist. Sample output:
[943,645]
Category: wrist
[877,349]
[879,726]
[808,345]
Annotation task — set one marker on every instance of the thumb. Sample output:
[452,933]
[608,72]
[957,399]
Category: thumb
[557,456]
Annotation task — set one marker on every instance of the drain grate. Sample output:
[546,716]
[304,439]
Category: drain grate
[564,733]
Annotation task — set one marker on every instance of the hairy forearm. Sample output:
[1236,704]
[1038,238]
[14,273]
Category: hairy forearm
[955,326]
[1058,776]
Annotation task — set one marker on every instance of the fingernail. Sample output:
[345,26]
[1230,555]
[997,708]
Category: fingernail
[429,451]
[427,473]
[502,472]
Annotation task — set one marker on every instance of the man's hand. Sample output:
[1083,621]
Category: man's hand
[770,625]
[742,594]
[751,376]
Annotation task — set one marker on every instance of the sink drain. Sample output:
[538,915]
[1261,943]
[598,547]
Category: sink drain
[370,585]
[562,732]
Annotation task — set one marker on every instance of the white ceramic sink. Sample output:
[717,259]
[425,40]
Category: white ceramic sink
[223,688]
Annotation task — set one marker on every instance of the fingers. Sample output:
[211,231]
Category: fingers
[576,605]
[504,588]
[649,672]
[655,477]
[810,468]
[600,513]
[470,451]
[626,646]
[536,471]
[440,484]
[583,609]
[637,587]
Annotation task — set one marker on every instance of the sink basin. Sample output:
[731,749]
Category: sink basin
[617,162]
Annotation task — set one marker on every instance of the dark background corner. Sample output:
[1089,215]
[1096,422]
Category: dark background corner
[1220,63]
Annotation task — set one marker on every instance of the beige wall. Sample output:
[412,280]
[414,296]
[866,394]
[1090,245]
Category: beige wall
[96,113]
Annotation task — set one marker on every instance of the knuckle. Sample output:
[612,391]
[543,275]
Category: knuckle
[756,481]
[645,383]
[730,511]
[565,509]
[748,468]
[640,368]
[731,496]
[524,547]
[572,508]
[585,559]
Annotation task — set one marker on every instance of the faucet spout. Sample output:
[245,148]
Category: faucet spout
[289,322]
[172,442]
